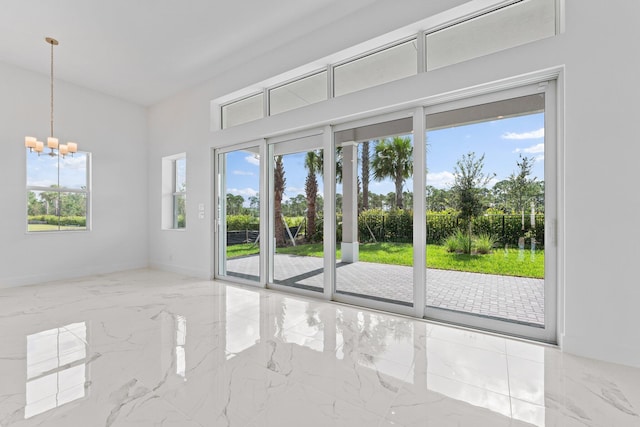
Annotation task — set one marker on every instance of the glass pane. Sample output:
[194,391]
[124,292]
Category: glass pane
[73,171]
[240,208]
[243,111]
[43,209]
[511,26]
[298,219]
[385,66]
[181,175]
[297,94]
[485,217]
[179,211]
[374,210]
[42,171]
[73,211]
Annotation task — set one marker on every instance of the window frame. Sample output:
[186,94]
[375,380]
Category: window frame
[177,193]
[170,193]
[59,191]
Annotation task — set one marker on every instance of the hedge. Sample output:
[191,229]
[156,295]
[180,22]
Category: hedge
[78,221]
[397,226]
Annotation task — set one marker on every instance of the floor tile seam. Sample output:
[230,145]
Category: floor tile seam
[508,396]
[404,365]
[290,380]
[269,292]
[180,411]
[336,398]
[467,345]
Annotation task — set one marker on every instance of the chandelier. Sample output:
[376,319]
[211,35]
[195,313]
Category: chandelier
[57,149]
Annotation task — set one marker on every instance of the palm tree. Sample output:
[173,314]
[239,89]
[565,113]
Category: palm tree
[393,158]
[313,163]
[366,174]
[279,183]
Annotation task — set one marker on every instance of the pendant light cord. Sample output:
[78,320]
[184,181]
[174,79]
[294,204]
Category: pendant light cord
[52,90]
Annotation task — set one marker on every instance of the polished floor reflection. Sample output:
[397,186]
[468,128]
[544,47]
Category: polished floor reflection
[148,348]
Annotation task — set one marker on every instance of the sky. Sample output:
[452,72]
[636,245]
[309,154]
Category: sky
[501,141]
[42,170]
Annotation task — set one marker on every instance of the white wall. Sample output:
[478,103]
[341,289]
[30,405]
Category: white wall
[599,291]
[115,132]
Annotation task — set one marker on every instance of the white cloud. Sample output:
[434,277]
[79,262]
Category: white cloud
[73,163]
[536,134]
[539,158]
[245,173]
[253,159]
[441,180]
[294,191]
[244,192]
[43,183]
[534,149]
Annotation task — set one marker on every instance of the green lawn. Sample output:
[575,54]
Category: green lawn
[509,263]
[50,227]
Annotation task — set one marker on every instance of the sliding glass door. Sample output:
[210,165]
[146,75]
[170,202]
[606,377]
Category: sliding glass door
[453,221]
[374,213]
[296,212]
[490,262]
[238,181]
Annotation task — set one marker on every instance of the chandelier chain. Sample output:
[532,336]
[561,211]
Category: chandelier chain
[52,89]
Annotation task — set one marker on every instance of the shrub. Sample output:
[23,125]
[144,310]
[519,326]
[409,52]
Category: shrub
[484,243]
[242,222]
[458,241]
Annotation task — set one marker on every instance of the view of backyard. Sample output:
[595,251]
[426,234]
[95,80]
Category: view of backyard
[485,216]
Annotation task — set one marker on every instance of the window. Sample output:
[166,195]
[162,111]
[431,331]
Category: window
[174,184]
[514,25]
[179,193]
[508,24]
[243,111]
[57,192]
[385,66]
[299,93]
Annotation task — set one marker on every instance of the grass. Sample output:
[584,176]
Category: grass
[508,263]
[51,227]
[243,249]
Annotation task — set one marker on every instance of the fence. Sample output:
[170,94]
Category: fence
[397,226]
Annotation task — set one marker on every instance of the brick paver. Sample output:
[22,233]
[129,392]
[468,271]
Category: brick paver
[518,299]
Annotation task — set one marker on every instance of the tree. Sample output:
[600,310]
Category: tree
[254,204]
[51,201]
[34,206]
[366,175]
[468,184]
[500,194]
[234,204]
[393,158]
[279,183]
[437,199]
[521,188]
[313,164]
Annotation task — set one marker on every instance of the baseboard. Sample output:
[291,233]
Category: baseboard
[612,352]
[32,279]
[200,274]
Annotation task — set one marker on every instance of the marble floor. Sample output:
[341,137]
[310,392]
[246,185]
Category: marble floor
[149,348]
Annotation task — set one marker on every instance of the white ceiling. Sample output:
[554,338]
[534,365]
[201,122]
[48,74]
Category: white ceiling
[146,50]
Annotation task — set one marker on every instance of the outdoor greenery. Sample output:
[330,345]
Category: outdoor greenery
[470,226]
[509,262]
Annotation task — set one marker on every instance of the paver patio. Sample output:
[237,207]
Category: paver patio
[517,299]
